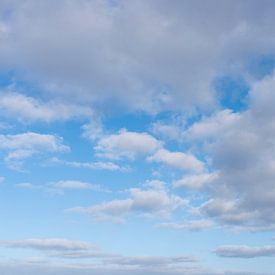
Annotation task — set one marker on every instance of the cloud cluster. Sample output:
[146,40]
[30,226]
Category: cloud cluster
[146,55]
[244,193]
[76,251]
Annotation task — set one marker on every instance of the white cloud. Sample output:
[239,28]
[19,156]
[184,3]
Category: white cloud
[151,202]
[170,131]
[47,244]
[32,141]
[58,187]
[68,255]
[178,160]
[97,165]
[212,127]
[94,129]
[26,108]
[196,181]
[21,146]
[127,145]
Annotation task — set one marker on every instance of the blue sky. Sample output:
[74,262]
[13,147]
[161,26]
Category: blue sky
[136,137]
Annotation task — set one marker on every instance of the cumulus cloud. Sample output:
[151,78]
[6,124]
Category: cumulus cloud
[240,150]
[127,145]
[212,127]
[244,251]
[196,181]
[22,146]
[26,108]
[152,202]
[180,160]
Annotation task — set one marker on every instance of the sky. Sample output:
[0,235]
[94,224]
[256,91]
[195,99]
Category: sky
[137,137]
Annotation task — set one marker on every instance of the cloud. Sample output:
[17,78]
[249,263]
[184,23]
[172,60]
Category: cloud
[59,187]
[178,160]
[170,131]
[239,149]
[22,146]
[47,244]
[196,181]
[70,269]
[72,184]
[97,165]
[152,202]
[126,144]
[26,108]
[212,127]
[94,65]
[153,261]
[194,225]
[27,185]
[244,251]
[71,255]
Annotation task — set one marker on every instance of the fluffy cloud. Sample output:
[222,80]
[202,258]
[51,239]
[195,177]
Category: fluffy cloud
[152,202]
[244,251]
[26,108]
[178,160]
[126,144]
[21,146]
[240,149]
[211,127]
[196,181]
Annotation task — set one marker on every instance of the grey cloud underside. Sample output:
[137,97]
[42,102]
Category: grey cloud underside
[244,251]
[147,55]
